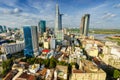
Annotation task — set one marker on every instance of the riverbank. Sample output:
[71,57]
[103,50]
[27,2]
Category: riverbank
[114,39]
[105,31]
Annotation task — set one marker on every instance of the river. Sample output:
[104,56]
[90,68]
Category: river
[102,36]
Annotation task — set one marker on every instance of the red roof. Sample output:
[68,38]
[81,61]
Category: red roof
[25,76]
[46,50]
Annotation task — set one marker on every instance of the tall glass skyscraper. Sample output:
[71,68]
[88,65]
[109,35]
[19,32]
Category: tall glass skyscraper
[42,26]
[84,27]
[1,29]
[58,19]
[31,41]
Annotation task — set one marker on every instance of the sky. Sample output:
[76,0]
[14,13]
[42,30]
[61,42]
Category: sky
[104,14]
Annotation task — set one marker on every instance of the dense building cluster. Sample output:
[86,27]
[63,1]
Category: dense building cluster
[42,53]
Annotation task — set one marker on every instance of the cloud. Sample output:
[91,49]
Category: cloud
[117,6]
[23,12]
[108,15]
[17,10]
[11,11]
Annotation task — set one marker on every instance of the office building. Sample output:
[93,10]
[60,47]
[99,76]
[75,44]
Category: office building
[58,19]
[31,41]
[52,43]
[84,26]
[12,48]
[3,29]
[42,26]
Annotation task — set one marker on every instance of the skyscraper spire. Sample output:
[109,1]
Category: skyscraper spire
[58,19]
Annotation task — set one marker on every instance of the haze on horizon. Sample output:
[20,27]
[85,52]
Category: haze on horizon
[103,13]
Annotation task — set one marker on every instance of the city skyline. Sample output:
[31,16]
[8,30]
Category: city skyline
[17,13]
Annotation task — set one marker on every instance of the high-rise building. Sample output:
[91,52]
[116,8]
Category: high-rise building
[52,43]
[1,29]
[58,19]
[60,28]
[84,26]
[31,41]
[42,26]
[5,29]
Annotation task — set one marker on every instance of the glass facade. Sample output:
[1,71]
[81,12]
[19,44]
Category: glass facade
[1,29]
[28,51]
[42,26]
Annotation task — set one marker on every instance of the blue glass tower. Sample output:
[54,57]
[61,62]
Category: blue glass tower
[42,26]
[1,29]
[31,41]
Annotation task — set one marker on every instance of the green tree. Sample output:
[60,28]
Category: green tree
[116,74]
[53,63]
[69,68]
[47,62]
[6,66]
[31,60]
[62,63]
[76,66]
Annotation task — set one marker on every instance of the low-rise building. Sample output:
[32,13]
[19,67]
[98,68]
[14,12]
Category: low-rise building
[49,74]
[111,60]
[46,44]
[92,51]
[61,72]
[25,76]
[34,68]
[87,71]
[10,75]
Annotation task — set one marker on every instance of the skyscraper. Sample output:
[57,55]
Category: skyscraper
[42,26]
[1,29]
[84,27]
[31,41]
[60,28]
[58,19]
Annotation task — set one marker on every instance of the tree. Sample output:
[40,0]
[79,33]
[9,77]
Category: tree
[31,60]
[76,66]
[6,66]
[47,62]
[69,68]
[53,63]
[62,63]
[116,74]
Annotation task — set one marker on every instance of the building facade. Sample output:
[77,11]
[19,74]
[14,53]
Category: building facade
[12,48]
[58,19]
[84,26]
[42,26]
[87,71]
[31,41]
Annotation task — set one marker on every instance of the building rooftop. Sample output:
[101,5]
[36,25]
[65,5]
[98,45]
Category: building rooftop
[42,72]
[25,76]
[46,50]
[87,67]
[10,75]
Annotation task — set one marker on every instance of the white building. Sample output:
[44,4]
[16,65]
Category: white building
[34,68]
[52,43]
[12,48]
[115,51]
